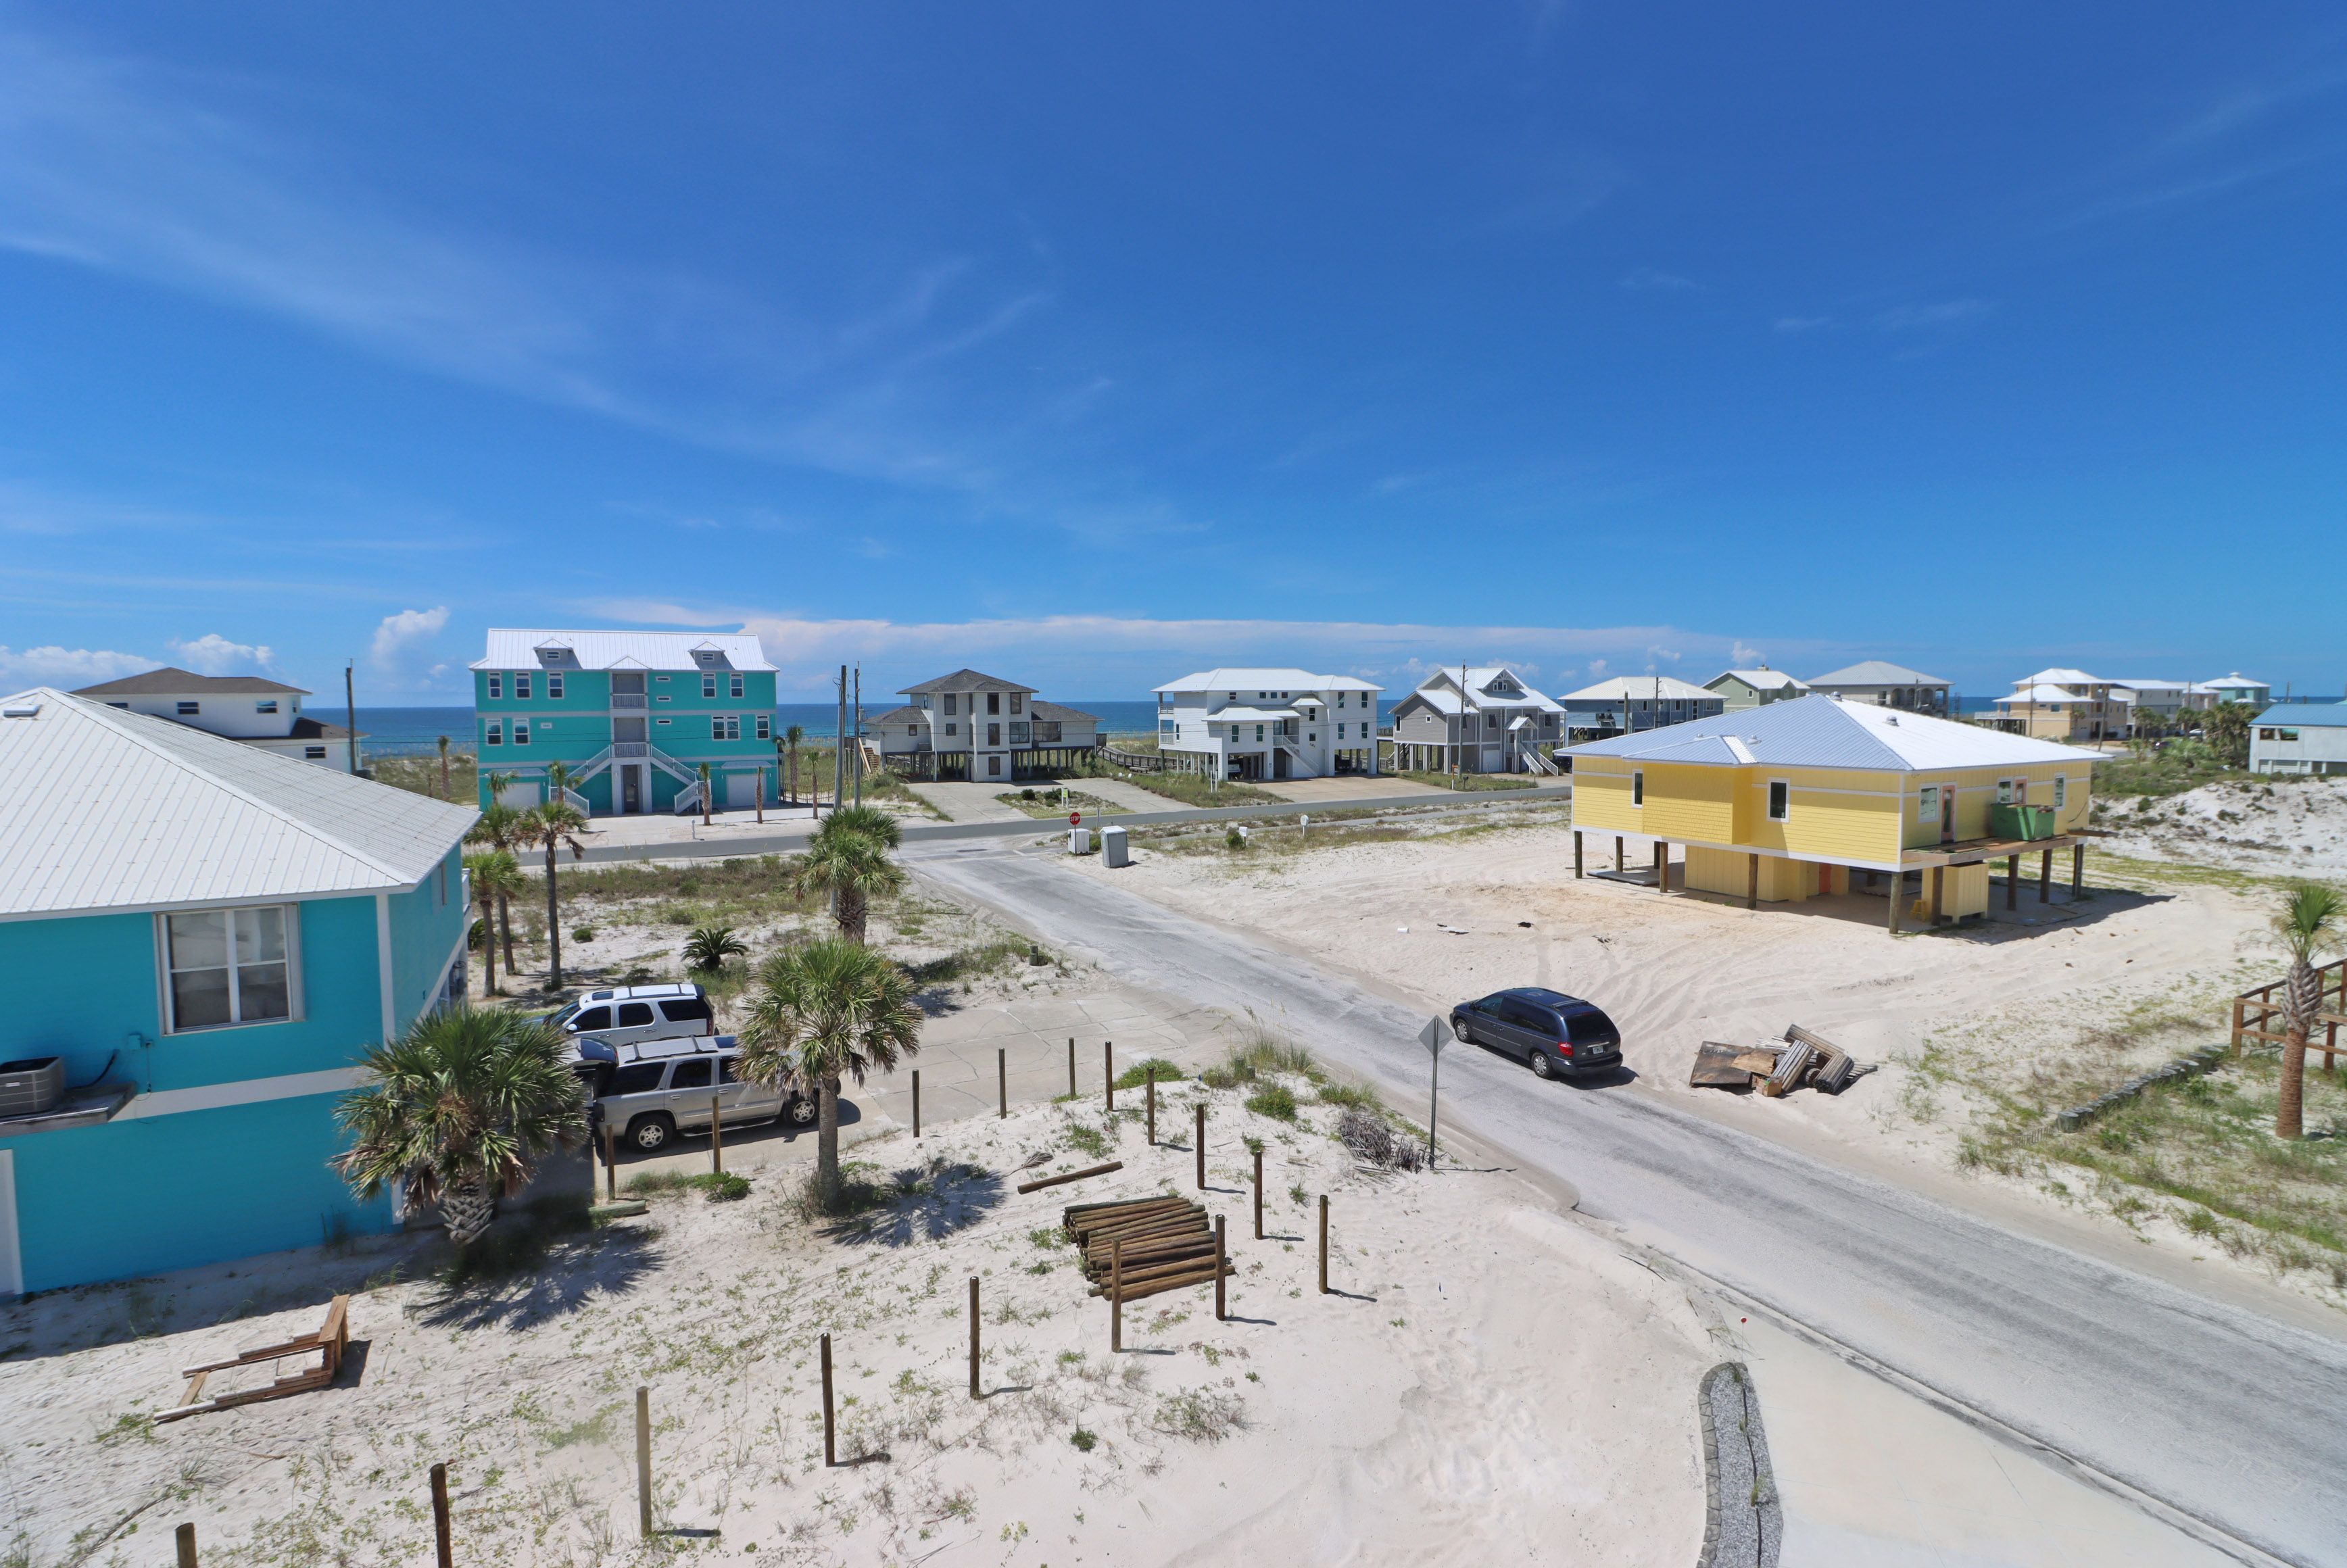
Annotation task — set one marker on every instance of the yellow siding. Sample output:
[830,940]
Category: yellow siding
[1601,796]
[1976,792]
[1691,803]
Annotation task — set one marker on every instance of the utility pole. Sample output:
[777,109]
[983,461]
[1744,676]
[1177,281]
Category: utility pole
[859,734]
[839,744]
[351,713]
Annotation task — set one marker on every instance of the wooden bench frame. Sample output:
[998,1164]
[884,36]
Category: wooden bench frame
[333,1337]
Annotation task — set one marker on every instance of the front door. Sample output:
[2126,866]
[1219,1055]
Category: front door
[1279,763]
[631,790]
[1947,814]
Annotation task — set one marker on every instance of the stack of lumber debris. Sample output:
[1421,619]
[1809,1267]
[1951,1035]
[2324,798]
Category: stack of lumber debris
[1168,1243]
[333,1337]
[1776,1068]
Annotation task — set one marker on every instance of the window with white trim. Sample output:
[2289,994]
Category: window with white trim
[554,686]
[314,753]
[2061,790]
[441,874]
[733,687]
[521,686]
[709,684]
[264,706]
[521,731]
[1927,803]
[496,686]
[1780,799]
[495,735]
[765,731]
[225,966]
[724,727]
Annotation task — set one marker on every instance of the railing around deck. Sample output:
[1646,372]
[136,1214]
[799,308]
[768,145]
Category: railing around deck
[2254,1010]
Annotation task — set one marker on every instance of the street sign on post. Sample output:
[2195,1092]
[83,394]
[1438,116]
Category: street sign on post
[1434,1037]
[1075,819]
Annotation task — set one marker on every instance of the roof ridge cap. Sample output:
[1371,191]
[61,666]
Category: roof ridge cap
[106,715]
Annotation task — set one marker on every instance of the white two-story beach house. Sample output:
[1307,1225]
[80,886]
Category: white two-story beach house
[1268,724]
[259,712]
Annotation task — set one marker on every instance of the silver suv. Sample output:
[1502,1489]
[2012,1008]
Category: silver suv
[655,1091]
[629,1015]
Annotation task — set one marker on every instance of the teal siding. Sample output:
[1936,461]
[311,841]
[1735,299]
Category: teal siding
[678,723]
[154,1193]
[424,932]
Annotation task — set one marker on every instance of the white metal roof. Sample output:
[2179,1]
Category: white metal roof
[104,809]
[2044,696]
[520,649]
[1875,673]
[1249,680]
[1251,716]
[1758,680]
[1642,688]
[1438,689]
[2234,683]
[2060,675]
[1817,731]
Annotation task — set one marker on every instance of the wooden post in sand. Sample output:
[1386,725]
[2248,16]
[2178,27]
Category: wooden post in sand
[1002,1080]
[441,1539]
[1258,1194]
[1577,854]
[2077,872]
[973,1336]
[716,1136]
[187,1539]
[1107,1076]
[830,1454]
[1200,1142]
[1221,1252]
[1071,1067]
[1116,1296]
[1752,883]
[2013,881]
[610,1166]
[1617,855]
[1324,1244]
[1149,1088]
[644,1461]
[2046,877]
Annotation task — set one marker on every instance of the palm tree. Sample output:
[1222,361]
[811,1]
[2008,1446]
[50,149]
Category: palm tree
[496,877]
[706,950]
[704,794]
[846,860]
[444,767]
[458,1110]
[549,826]
[825,1011]
[792,737]
[2307,924]
[499,827]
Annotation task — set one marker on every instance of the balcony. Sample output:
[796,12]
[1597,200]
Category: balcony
[627,699]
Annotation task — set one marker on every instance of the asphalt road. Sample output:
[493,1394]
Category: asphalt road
[2231,1419]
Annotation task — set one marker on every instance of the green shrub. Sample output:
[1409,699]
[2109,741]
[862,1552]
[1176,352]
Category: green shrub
[1352,1099]
[1273,1099]
[1088,1139]
[582,933]
[1083,1439]
[706,950]
[722,1187]
[1234,839]
[1155,1067]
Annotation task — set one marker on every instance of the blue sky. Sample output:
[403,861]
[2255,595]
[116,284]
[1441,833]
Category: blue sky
[1091,344]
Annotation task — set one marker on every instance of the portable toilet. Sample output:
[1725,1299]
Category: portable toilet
[1112,851]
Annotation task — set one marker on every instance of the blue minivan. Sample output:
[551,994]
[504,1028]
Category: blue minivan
[1559,1036]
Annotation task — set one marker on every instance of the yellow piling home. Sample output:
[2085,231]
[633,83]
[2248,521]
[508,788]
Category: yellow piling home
[1819,796]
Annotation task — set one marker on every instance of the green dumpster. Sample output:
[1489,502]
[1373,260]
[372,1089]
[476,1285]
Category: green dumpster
[2023,821]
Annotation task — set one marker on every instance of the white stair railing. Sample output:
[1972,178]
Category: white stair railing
[687,799]
[670,766]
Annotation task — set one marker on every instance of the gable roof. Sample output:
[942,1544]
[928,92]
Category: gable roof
[1642,688]
[1249,679]
[103,809]
[1060,714]
[2044,696]
[963,681]
[1875,673]
[1444,684]
[2061,675]
[2305,715]
[2233,682]
[170,681]
[533,648]
[1758,680]
[1817,731]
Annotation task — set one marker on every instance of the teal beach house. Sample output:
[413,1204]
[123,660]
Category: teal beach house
[631,717]
[204,939]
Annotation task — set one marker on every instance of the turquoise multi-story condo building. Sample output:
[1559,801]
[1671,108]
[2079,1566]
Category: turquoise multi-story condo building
[205,938]
[632,716]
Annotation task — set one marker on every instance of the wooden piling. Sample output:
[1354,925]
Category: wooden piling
[644,1461]
[1898,891]
[1199,1142]
[1752,882]
[1107,1076]
[2077,872]
[1259,1195]
[1617,855]
[2046,877]
[1071,1067]
[1116,1296]
[1324,1244]
[1222,1253]
[716,1136]
[1002,1080]
[1576,853]
[187,1540]
[916,1102]
[1149,1091]
[610,1165]
[2013,882]
[442,1539]
[830,1452]
[973,1336]
[1939,893]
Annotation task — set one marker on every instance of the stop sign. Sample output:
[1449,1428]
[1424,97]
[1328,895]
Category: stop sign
[1075,819]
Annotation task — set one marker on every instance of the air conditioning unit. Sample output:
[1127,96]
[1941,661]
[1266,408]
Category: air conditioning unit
[31,1086]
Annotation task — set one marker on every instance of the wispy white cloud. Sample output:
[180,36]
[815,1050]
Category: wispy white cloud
[1744,656]
[66,667]
[1646,280]
[402,649]
[1102,655]
[213,654]
[1801,323]
[1946,313]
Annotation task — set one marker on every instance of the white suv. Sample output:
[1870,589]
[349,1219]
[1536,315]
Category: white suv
[654,1091]
[631,1015]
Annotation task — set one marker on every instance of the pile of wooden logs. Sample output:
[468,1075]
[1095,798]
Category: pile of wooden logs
[1775,1069]
[1166,1243]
